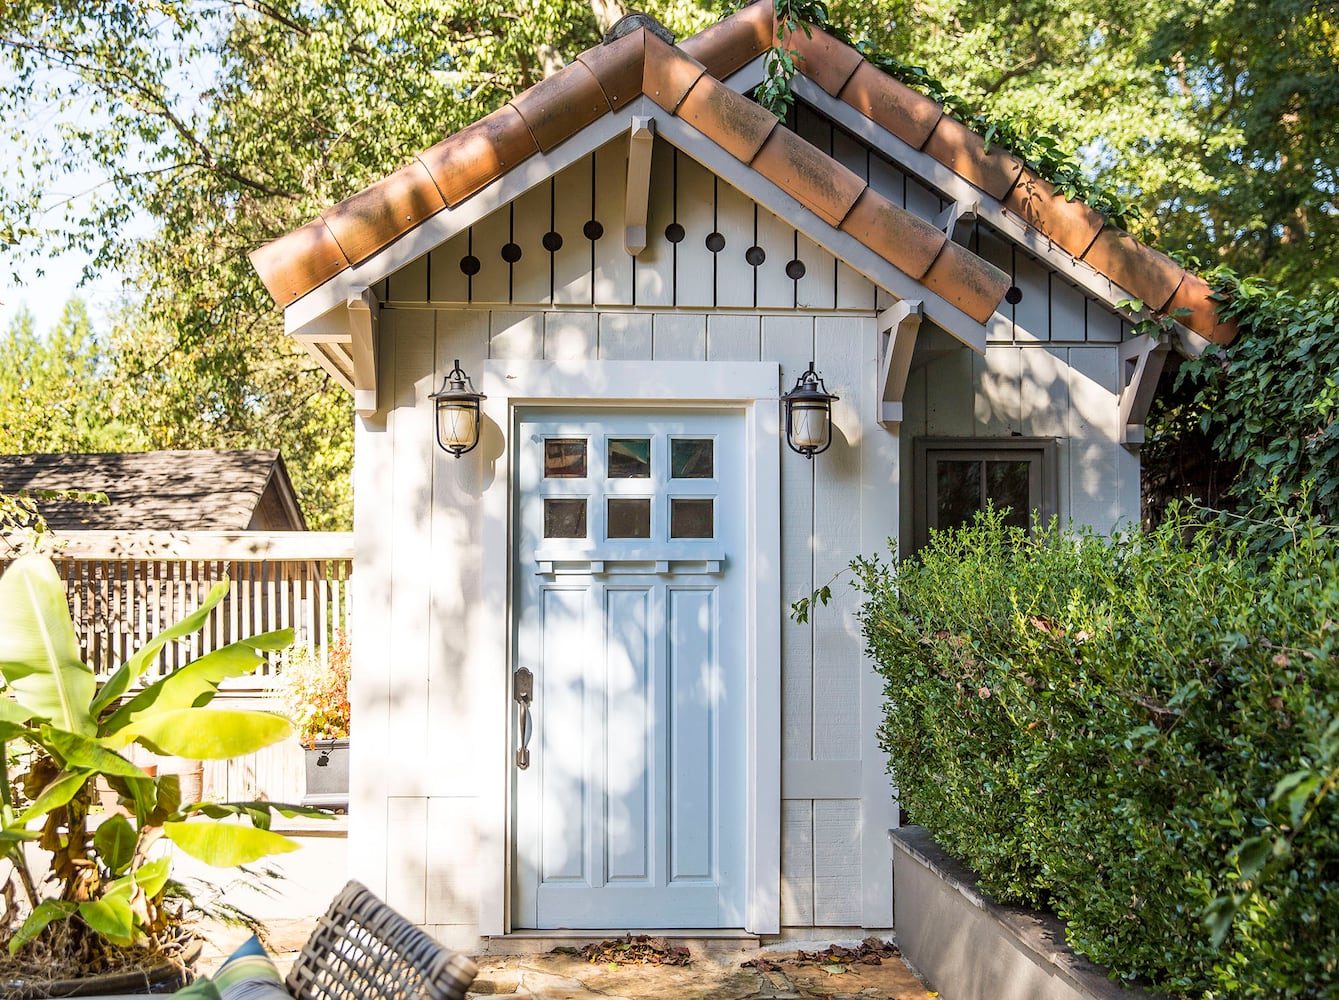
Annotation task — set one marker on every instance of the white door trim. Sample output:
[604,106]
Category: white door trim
[754,386]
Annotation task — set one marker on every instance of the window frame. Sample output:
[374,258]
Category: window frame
[1042,485]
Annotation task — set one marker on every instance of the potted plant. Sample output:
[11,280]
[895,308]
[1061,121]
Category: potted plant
[316,695]
[84,897]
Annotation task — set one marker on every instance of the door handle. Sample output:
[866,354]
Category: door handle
[522,690]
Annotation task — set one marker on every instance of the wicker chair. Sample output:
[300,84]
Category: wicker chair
[361,949]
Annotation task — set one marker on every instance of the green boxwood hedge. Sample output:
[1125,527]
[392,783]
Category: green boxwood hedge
[1141,734]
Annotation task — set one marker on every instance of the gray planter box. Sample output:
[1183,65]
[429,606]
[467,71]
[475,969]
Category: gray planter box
[328,775]
[972,948]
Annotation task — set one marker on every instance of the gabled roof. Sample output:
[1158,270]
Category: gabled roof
[161,490]
[685,81]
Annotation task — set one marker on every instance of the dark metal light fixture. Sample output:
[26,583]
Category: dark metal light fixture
[457,412]
[809,415]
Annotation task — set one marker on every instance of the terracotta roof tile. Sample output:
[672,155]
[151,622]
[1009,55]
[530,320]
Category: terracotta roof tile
[823,59]
[905,240]
[1073,225]
[731,120]
[973,285]
[618,67]
[811,177]
[668,74]
[297,262]
[963,151]
[902,111]
[561,105]
[1194,293]
[1140,270]
[729,44]
[478,154]
[391,207]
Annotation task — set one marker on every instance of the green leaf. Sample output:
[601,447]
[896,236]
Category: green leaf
[60,791]
[120,680]
[46,912]
[1252,855]
[86,754]
[207,733]
[114,841]
[39,653]
[111,917]
[12,712]
[195,684]
[226,845]
[152,875]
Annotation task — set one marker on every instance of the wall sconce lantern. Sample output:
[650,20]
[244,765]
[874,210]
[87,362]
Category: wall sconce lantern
[809,415]
[457,412]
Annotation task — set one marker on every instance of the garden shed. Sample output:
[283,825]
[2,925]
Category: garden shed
[632,261]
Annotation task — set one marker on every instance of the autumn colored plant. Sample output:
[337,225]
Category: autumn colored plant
[316,693]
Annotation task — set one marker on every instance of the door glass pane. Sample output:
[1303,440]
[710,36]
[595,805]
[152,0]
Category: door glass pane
[565,458]
[629,517]
[630,458]
[564,517]
[692,458]
[958,486]
[691,518]
[1007,486]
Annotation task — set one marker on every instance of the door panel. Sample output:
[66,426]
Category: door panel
[630,814]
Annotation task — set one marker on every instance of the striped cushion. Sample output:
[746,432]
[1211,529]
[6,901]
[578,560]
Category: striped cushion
[248,974]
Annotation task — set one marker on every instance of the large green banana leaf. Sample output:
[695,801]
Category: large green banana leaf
[39,653]
[204,733]
[196,683]
[226,845]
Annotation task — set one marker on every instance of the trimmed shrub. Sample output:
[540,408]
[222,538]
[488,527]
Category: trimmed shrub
[1141,734]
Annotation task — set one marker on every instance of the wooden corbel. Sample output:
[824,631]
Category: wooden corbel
[956,220]
[898,326]
[1141,361]
[364,318]
[640,142]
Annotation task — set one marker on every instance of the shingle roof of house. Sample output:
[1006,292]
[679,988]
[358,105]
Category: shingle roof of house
[161,490]
[685,82]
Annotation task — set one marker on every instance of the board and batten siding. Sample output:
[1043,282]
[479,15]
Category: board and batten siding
[534,281]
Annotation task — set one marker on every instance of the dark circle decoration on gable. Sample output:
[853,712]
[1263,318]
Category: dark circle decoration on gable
[553,242]
[715,242]
[511,253]
[1014,295]
[755,256]
[469,265]
[592,230]
[674,233]
[795,270]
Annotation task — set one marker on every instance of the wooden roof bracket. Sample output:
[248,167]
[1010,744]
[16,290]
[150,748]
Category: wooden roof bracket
[1141,361]
[364,312]
[641,140]
[957,219]
[898,326]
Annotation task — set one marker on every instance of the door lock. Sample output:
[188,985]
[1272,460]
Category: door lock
[522,690]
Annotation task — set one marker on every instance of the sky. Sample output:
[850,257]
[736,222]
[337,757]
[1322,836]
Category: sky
[45,296]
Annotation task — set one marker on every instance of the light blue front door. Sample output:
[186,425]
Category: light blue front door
[629,565]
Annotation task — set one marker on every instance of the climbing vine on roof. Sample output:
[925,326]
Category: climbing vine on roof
[1039,148]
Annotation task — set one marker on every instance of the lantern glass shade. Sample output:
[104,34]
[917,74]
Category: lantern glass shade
[457,406]
[809,415]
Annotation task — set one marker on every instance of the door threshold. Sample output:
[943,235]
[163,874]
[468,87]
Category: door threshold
[526,941]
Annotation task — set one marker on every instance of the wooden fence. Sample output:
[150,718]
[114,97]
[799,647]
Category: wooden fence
[126,587]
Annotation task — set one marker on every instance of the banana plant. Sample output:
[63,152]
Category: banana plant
[67,729]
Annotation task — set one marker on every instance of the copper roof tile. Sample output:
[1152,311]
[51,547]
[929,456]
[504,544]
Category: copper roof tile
[618,67]
[391,207]
[731,120]
[823,59]
[811,177]
[478,154]
[1072,225]
[297,262]
[1150,276]
[668,74]
[725,46]
[902,111]
[963,151]
[562,105]
[1194,293]
[905,240]
[973,285]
